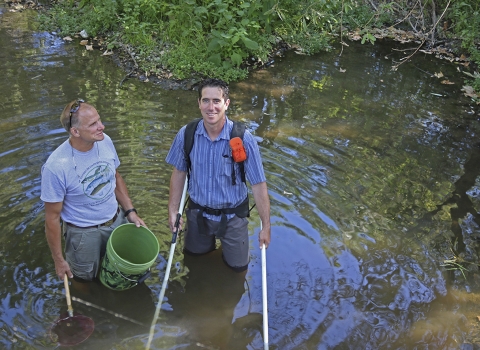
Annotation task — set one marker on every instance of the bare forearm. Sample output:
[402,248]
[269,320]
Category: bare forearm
[54,240]
[121,192]
[260,194]
[177,182]
[53,233]
[123,198]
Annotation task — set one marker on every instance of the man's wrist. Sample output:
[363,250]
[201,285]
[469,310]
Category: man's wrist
[129,211]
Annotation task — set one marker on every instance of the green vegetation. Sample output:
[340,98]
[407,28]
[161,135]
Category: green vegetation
[223,37]
[465,23]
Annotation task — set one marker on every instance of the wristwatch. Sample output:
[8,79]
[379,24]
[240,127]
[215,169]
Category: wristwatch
[127,212]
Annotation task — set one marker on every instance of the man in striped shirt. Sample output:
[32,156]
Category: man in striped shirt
[217,206]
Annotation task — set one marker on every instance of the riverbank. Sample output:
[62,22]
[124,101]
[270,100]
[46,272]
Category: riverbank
[135,64]
[124,57]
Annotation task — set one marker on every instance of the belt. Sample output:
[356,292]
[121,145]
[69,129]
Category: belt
[106,223]
[241,211]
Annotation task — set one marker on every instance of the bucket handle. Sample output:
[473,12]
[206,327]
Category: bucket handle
[137,282]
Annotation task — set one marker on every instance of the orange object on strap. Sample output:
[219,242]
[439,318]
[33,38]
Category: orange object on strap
[238,151]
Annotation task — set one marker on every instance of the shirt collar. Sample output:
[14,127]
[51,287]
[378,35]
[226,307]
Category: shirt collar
[224,134]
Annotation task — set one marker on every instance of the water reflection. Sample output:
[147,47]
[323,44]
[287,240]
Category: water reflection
[364,168]
[204,306]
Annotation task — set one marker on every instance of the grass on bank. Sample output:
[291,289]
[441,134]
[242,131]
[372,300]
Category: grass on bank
[222,38]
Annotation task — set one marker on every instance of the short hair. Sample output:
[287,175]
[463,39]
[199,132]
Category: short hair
[210,82]
[65,116]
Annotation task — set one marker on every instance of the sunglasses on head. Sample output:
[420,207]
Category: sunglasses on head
[74,109]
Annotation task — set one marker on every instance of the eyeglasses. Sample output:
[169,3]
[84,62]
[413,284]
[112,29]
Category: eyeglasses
[75,108]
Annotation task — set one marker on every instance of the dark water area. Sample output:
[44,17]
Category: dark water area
[374,181]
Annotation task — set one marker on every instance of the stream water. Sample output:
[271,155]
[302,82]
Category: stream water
[374,183]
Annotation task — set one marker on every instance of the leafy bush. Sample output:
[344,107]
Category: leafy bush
[217,37]
[69,17]
[465,16]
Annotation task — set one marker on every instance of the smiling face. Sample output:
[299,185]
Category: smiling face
[88,128]
[213,106]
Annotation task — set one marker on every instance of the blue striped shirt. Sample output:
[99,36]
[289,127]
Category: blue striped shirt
[211,173]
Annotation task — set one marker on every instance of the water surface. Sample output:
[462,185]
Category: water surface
[371,173]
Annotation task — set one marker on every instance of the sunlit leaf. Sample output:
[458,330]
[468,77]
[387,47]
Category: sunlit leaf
[469,91]
[475,75]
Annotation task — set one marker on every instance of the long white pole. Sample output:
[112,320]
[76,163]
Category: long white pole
[169,266]
[264,297]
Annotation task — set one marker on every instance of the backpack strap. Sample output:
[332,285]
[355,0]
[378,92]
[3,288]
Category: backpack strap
[238,130]
[188,142]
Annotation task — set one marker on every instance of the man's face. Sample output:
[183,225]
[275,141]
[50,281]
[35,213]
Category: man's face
[213,105]
[90,127]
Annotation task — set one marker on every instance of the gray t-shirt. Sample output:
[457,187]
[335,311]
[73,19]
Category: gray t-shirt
[83,181]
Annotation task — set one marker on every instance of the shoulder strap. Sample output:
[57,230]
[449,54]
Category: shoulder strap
[238,130]
[188,142]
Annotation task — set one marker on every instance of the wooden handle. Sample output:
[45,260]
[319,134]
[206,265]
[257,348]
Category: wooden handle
[67,295]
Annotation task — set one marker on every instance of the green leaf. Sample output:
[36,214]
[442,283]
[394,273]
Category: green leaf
[214,45]
[236,59]
[369,37]
[200,10]
[250,44]
[216,59]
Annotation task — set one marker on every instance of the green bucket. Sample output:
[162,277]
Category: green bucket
[131,251]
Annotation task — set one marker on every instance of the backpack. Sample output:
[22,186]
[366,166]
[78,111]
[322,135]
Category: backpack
[238,130]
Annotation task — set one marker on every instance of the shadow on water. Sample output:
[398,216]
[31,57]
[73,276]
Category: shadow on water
[461,206]
[205,305]
[466,187]
[373,177]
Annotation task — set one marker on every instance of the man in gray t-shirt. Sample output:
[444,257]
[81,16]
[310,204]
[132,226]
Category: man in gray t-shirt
[81,186]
